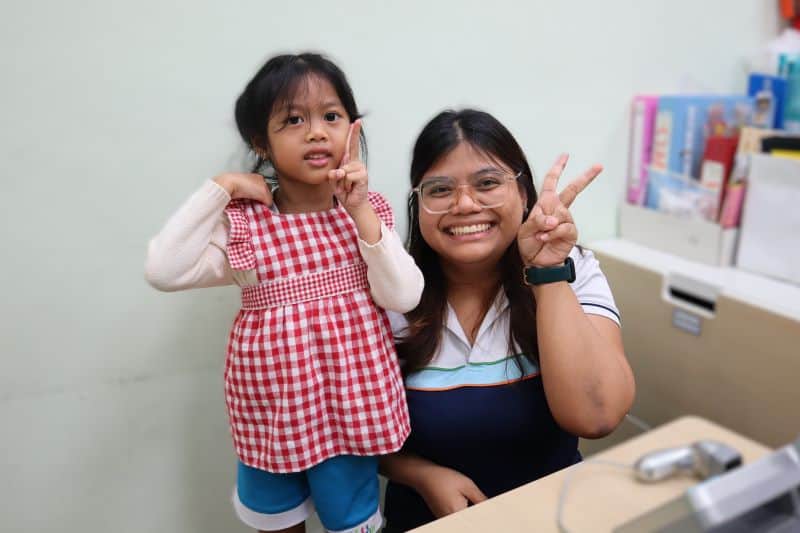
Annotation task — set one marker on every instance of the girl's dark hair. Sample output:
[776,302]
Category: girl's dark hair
[276,84]
[426,322]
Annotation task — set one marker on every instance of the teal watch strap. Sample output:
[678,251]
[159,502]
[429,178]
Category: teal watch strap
[541,275]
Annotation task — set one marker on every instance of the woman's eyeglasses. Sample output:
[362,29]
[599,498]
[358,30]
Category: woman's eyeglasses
[439,195]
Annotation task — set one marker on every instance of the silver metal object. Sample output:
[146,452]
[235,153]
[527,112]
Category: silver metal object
[702,459]
[760,497]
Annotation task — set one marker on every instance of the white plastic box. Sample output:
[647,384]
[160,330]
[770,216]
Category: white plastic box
[691,238]
[770,232]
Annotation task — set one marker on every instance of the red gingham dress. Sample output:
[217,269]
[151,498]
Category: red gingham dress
[311,370]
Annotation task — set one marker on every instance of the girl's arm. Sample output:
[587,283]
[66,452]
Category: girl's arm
[189,251]
[444,490]
[395,281]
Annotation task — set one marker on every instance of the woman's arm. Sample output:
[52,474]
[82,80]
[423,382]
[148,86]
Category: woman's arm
[444,490]
[587,380]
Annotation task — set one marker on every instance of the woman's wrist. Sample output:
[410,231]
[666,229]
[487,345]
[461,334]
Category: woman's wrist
[410,470]
[541,292]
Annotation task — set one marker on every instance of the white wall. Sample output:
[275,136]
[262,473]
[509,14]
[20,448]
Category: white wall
[112,112]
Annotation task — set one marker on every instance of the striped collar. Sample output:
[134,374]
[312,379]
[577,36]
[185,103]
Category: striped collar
[493,314]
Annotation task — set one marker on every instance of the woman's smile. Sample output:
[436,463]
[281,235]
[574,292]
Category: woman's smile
[471,231]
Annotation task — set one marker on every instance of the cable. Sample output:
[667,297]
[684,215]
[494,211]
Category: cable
[638,422]
[562,497]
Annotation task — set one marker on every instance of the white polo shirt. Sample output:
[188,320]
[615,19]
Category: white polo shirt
[474,410]
[491,343]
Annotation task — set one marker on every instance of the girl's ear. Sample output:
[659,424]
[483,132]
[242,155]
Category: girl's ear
[260,147]
[261,152]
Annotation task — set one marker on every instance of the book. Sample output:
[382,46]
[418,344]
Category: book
[640,146]
[684,122]
[782,146]
[750,140]
[716,167]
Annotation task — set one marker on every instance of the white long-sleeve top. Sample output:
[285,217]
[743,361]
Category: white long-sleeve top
[189,252]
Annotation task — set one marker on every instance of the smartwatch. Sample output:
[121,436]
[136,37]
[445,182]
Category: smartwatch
[541,275]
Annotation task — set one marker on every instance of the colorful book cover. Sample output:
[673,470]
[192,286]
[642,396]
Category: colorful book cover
[750,140]
[640,146]
[684,122]
[716,167]
[769,97]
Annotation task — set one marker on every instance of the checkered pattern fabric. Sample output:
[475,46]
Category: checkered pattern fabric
[311,370]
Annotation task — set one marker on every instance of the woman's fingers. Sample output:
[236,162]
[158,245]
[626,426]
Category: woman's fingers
[473,493]
[549,198]
[571,191]
[550,182]
[566,231]
[545,222]
[245,185]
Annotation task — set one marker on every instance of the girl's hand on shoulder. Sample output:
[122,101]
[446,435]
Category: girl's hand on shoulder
[446,491]
[549,233]
[245,185]
[351,181]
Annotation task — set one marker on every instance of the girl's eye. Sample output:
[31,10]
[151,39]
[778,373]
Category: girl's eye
[331,116]
[294,120]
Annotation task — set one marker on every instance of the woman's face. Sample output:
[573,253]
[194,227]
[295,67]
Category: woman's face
[468,235]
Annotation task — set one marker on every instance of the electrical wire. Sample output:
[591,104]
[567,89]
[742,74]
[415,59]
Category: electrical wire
[638,422]
[562,496]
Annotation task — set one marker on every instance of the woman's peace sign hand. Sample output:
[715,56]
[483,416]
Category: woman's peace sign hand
[549,233]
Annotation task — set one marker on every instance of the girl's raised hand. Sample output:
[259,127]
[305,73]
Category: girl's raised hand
[245,185]
[548,235]
[350,180]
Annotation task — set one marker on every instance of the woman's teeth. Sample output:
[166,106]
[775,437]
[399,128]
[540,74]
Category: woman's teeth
[468,230]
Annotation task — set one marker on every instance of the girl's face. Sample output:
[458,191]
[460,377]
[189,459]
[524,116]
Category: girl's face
[469,235]
[307,137]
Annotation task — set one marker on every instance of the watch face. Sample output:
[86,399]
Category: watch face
[571,265]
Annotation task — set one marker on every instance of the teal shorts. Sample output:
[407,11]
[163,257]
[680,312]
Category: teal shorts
[343,490]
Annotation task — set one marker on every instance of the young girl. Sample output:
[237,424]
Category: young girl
[313,390]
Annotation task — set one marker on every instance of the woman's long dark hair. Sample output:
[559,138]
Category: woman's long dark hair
[440,136]
[277,83]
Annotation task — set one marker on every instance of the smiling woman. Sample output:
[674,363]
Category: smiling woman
[501,377]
